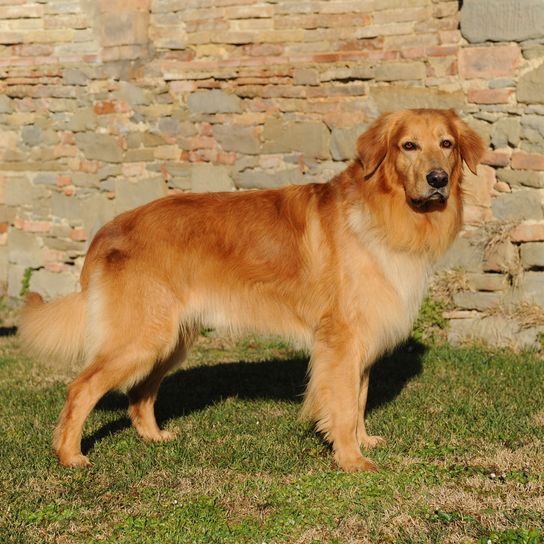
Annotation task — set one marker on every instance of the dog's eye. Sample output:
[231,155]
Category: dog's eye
[446,144]
[409,146]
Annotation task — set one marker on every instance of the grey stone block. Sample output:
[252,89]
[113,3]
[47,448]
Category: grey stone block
[506,132]
[517,205]
[24,249]
[237,138]
[257,179]
[502,20]
[532,255]
[207,178]
[17,190]
[344,142]
[53,284]
[530,288]
[530,88]
[214,101]
[465,253]
[31,135]
[398,97]
[476,300]
[521,177]
[309,137]
[5,104]
[129,194]
[101,147]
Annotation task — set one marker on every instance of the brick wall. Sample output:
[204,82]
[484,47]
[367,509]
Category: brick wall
[106,104]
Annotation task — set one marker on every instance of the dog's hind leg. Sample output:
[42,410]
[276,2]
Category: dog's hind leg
[106,372]
[143,395]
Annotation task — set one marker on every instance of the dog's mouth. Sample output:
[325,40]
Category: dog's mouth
[435,200]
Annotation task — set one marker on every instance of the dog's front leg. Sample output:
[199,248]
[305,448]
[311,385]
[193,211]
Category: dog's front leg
[363,438]
[333,394]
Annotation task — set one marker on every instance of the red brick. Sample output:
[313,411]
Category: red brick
[489,62]
[489,96]
[78,234]
[498,157]
[4,227]
[62,181]
[527,161]
[528,232]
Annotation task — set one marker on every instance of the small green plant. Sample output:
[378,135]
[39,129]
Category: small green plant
[25,281]
[430,320]
[514,536]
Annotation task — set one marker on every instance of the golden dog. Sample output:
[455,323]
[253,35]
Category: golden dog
[341,266]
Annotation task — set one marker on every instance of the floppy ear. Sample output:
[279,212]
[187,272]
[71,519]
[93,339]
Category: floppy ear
[372,144]
[470,144]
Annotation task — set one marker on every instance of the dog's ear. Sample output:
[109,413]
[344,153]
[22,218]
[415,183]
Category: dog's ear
[471,146]
[372,144]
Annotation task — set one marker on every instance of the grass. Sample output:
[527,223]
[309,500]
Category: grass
[464,460]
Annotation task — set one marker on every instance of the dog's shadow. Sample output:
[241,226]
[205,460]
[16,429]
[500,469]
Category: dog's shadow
[193,389]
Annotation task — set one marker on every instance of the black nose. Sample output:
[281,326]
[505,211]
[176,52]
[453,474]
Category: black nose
[437,178]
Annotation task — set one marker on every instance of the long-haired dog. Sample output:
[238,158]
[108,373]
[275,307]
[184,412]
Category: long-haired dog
[340,266]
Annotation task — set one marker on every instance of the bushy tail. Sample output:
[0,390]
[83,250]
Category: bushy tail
[55,329]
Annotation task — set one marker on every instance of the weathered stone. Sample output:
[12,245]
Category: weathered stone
[530,288]
[476,300]
[530,89]
[501,257]
[344,142]
[487,282]
[15,280]
[132,94]
[515,178]
[130,194]
[81,120]
[5,104]
[397,71]
[396,97]
[75,76]
[31,135]
[210,178]
[532,255]
[237,138]
[53,284]
[506,131]
[24,249]
[533,132]
[257,179]
[101,147]
[17,190]
[517,206]
[496,331]
[309,137]
[466,253]
[4,269]
[214,101]
[527,161]
[502,20]
[489,62]
[306,76]
[528,231]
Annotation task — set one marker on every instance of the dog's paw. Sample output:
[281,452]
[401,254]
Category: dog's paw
[73,461]
[369,442]
[356,464]
[159,436]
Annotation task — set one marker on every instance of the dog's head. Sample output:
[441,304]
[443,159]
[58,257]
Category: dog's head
[423,150]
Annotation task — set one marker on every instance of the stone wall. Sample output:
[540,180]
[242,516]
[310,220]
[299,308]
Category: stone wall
[107,104]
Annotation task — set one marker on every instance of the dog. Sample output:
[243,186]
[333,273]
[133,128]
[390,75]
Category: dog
[340,266]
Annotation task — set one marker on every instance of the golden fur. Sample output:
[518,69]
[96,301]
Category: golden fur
[340,266]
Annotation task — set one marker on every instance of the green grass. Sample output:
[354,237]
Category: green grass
[463,462]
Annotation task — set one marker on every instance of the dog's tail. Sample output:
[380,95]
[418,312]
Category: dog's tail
[55,329]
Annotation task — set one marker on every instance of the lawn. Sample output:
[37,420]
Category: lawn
[463,462]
